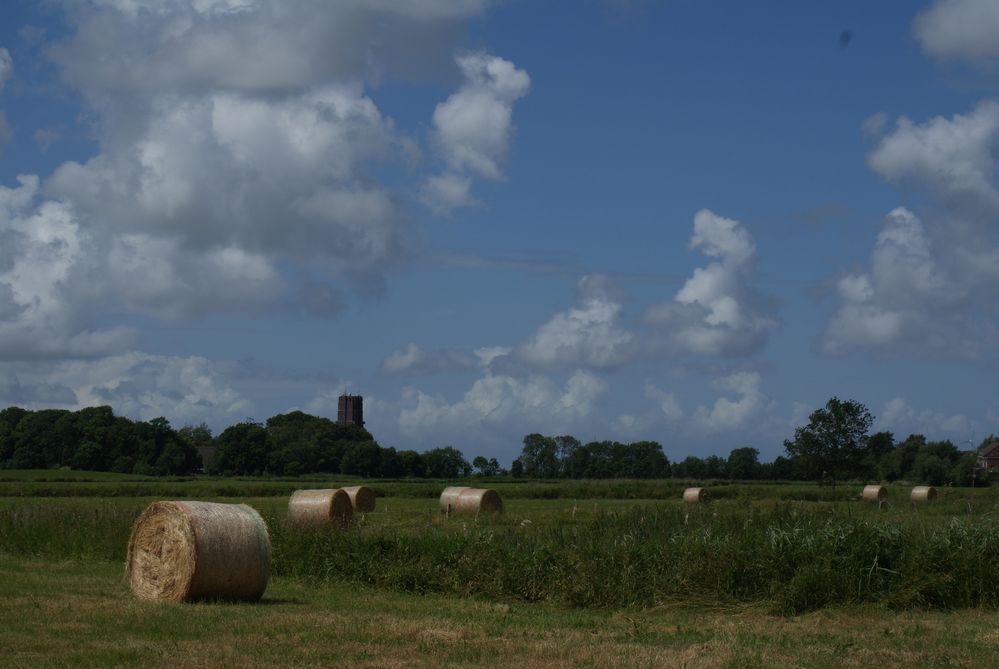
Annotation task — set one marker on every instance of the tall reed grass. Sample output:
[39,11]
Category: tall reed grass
[794,556]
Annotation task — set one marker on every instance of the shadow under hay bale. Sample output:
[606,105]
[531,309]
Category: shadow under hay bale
[462,499]
[181,551]
[923,493]
[320,508]
[695,495]
[874,493]
[362,497]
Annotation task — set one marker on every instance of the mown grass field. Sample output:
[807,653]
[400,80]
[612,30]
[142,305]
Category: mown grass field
[573,574]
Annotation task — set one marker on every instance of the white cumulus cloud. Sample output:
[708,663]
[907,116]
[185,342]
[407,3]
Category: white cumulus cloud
[930,286]
[138,385]
[6,66]
[46,262]
[900,418]
[716,312]
[473,127]
[585,335]
[501,403]
[964,29]
[731,414]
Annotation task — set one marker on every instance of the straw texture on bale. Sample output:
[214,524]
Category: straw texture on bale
[459,499]
[874,493]
[362,497]
[320,507]
[923,493]
[695,495]
[180,551]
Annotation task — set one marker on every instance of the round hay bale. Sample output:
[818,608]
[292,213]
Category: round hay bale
[362,497]
[874,493]
[449,498]
[320,507]
[470,501]
[695,495]
[923,493]
[181,551]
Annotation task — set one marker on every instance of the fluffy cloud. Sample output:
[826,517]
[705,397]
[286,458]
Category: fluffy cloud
[902,419]
[900,298]
[667,402]
[235,179]
[6,69]
[586,335]
[952,157]
[963,29]
[473,127]
[6,66]
[716,312]
[237,139]
[138,385]
[727,414]
[265,47]
[45,294]
[414,360]
[502,404]
[930,284]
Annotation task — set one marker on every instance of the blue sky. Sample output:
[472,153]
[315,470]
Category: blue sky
[688,222]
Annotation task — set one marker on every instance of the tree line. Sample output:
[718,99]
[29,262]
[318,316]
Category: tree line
[834,445]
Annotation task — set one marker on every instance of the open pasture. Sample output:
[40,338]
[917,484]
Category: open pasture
[562,553]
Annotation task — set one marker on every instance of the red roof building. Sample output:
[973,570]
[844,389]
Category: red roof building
[988,456]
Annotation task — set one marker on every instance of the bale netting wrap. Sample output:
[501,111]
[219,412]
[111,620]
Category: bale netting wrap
[874,493]
[320,507]
[180,551]
[923,493]
[695,495]
[470,501]
[362,497]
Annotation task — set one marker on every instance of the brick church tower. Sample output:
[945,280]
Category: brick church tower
[350,410]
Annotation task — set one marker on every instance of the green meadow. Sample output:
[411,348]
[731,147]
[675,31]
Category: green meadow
[597,573]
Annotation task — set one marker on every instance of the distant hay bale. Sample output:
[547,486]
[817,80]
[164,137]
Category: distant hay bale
[180,551]
[923,493]
[320,507]
[874,493]
[462,499]
[362,497]
[695,495]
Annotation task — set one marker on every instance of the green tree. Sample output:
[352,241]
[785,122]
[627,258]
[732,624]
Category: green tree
[833,442]
[242,449]
[446,463]
[411,464]
[540,456]
[743,464]
[691,467]
[517,468]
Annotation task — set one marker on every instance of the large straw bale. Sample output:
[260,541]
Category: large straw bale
[180,551]
[923,493]
[874,493]
[449,498]
[695,495]
[470,500]
[362,497]
[320,507]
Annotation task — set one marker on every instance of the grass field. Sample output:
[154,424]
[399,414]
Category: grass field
[570,575]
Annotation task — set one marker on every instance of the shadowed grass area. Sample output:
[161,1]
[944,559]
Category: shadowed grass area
[81,614]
